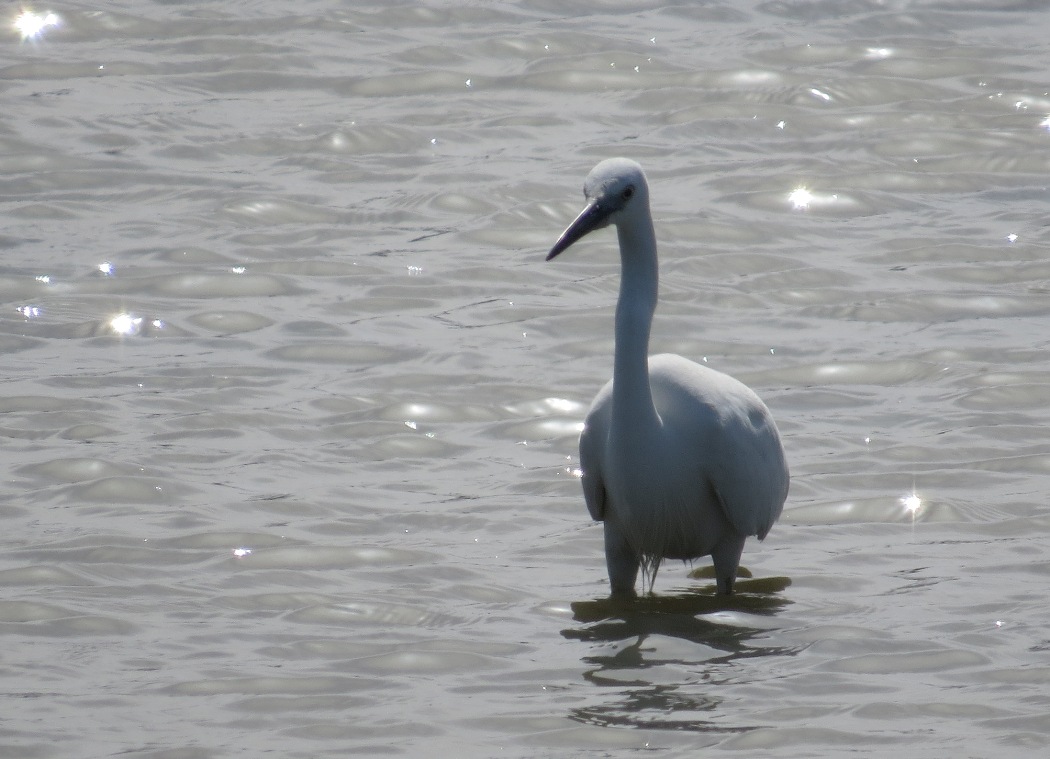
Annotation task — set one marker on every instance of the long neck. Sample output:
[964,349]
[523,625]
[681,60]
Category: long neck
[632,396]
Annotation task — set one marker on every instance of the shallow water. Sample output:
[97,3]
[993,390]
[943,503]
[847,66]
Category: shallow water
[291,399]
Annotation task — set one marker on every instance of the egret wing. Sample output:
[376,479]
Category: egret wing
[592,452]
[731,434]
[752,482]
[591,445]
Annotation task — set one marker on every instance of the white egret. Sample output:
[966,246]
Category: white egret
[679,461]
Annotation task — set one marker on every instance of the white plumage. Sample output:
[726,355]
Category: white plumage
[679,461]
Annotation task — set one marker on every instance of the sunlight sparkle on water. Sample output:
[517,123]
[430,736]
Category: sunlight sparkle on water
[125,324]
[562,404]
[800,198]
[106,268]
[31,24]
[912,503]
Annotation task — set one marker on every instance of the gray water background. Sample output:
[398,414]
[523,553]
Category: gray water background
[290,399]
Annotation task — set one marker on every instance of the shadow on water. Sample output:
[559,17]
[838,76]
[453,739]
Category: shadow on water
[665,659]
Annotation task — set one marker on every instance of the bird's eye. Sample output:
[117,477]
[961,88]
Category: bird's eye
[627,193]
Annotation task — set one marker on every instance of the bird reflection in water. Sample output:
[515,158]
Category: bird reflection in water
[631,661]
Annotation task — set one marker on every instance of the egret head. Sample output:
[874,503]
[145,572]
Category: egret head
[614,188]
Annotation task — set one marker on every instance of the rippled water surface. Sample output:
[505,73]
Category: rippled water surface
[290,399]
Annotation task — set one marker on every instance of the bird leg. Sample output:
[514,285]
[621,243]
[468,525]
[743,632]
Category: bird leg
[621,560]
[726,558]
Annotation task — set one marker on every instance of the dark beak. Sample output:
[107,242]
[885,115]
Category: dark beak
[593,217]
